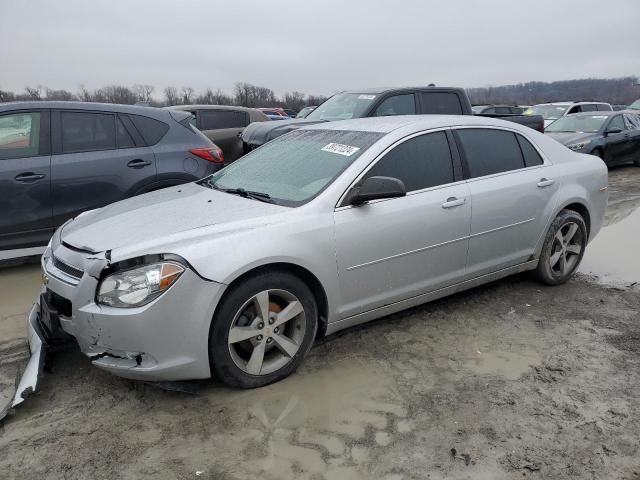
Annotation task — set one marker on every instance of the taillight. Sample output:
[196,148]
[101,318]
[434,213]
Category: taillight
[213,154]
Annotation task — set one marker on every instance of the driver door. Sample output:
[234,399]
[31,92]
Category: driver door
[393,249]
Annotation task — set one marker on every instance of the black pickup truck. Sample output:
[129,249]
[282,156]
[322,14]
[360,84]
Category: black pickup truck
[378,103]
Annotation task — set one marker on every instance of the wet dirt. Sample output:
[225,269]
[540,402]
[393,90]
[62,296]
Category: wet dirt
[510,380]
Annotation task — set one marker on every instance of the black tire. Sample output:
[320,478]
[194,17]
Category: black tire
[545,272]
[222,362]
[599,153]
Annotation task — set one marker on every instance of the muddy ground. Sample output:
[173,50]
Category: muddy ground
[518,379]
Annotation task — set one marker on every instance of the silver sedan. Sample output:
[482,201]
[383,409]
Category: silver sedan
[326,227]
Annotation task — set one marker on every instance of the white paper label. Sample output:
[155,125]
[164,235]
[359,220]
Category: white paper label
[346,150]
[366,97]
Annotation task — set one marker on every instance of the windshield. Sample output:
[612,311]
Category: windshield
[343,106]
[578,123]
[295,167]
[548,112]
[635,105]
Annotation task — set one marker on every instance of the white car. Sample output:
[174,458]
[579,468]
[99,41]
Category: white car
[553,111]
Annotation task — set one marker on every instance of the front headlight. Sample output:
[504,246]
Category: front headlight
[139,286]
[578,146]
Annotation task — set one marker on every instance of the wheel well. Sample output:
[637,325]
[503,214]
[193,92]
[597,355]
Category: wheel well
[307,277]
[584,213]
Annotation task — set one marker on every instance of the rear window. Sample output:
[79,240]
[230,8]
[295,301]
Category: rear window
[490,151]
[86,132]
[215,119]
[440,103]
[152,130]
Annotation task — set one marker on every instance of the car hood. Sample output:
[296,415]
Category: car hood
[164,214]
[569,138]
[259,133]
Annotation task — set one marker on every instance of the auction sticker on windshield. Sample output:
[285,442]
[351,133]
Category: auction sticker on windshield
[340,149]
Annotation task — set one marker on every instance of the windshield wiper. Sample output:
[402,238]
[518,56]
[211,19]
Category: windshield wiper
[262,197]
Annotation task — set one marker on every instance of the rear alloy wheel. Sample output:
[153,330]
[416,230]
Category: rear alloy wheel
[563,248]
[262,330]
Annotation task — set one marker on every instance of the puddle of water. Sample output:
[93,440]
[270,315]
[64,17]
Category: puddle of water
[612,256]
[19,287]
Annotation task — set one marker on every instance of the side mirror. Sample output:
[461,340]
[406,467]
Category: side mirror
[374,188]
[612,131]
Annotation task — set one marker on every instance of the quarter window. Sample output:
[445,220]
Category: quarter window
[123,138]
[152,130]
[19,134]
[397,105]
[616,122]
[420,162]
[85,132]
[530,154]
[216,119]
[490,151]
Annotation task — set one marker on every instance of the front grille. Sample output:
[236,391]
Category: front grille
[68,269]
[59,303]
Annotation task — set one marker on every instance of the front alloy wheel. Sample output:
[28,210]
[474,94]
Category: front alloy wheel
[262,329]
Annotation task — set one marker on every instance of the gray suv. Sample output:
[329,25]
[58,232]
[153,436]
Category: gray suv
[58,159]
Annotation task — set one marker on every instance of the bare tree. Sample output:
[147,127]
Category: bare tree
[34,93]
[85,94]
[115,94]
[171,96]
[59,95]
[6,96]
[294,100]
[187,95]
[144,92]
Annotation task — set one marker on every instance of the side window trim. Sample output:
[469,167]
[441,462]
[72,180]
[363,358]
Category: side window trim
[465,167]
[131,128]
[455,158]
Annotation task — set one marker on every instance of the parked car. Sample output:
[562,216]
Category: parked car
[273,116]
[305,111]
[274,111]
[635,105]
[378,103]
[58,159]
[331,226]
[612,136]
[290,113]
[553,111]
[498,109]
[223,124]
[618,108]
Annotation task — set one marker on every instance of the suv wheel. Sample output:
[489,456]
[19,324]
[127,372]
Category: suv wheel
[262,330]
[563,248]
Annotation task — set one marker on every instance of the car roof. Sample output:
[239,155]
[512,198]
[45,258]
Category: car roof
[380,90]
[598,113]
[209,107]
[572,103]
[419,122]
[76,105]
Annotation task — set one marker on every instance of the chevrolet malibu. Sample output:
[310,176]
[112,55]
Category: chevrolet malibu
[326,227]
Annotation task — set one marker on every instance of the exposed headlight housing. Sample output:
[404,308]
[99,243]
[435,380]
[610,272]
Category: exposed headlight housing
[138,286]
[577,146]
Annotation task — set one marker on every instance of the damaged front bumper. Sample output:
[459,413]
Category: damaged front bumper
[37,350]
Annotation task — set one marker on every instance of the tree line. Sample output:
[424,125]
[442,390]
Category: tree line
[622,91]
[612,90]
[244,94]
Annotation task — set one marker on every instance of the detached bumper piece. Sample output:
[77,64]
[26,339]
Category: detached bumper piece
[29,379]
[43,333]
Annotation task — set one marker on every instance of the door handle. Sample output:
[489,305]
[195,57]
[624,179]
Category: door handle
[545,182]
[453,202]
[28,177]
[138,163]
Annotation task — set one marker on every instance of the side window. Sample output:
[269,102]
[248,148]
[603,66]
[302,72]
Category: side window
[503,110]
[490,110]
[489,151]
[632,121]
[616,122]
[530,154]
[590,107]
[576,109]
[123,138]
[604,108]
[152,130]
[517,110]
[397,105]
[440,103]
[87,131]
[19,134]
[420,162]
[215,119]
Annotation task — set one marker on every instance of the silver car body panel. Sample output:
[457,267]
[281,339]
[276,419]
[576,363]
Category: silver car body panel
[370,260]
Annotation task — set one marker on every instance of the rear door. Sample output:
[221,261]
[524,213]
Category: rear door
[619,146]
[98,158]
[633,129]
[510,188]
[25,176]
[224,127]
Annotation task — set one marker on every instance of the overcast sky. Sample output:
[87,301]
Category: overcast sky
[316,47]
